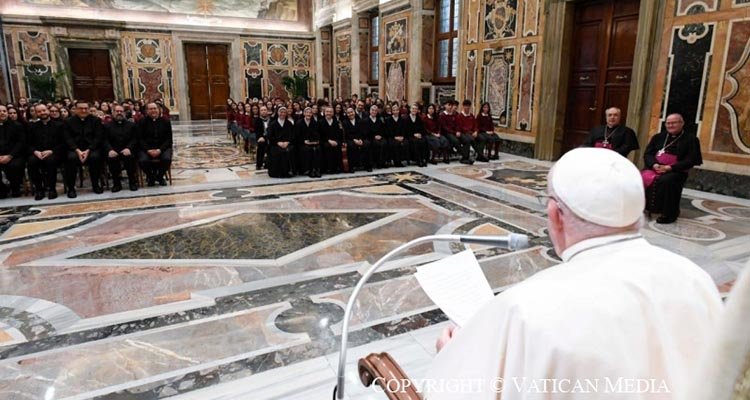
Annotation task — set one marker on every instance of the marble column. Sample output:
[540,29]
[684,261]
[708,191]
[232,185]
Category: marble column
[5,97]
[318,65]
[356,54]
[413,92]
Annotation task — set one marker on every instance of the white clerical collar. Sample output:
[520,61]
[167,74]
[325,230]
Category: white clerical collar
[395,117]
[330,121]
[353,121]
[597,242]
[413,118]
[373,119]
[307,121]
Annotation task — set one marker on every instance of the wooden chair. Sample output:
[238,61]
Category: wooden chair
[382,369]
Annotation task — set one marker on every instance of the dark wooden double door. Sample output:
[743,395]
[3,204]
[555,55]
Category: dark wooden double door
[601,65]
[92,74]
[208,80]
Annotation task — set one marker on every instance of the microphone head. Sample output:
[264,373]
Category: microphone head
[517,241]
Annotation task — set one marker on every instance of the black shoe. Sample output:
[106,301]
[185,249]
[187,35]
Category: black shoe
[368,169]
[162,182]
[133,187]
[318,175]
[15,193]
[116,187]
[3,195]
[665,220]
[483,159]
[495,157]
[72,194]
[433,161]
[98,189]
[446,161]
[311,174]
[52,194]
[39,195]
[150,182]
[467,161]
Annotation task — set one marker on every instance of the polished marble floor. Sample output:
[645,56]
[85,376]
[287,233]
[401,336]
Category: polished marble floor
[231,285]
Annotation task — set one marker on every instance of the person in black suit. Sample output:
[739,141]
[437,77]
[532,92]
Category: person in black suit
[12,138]
[120,138]
[46,147]
[358,145]
[331,135]
[154,145]
[412,127]
[374,131]
[398,143]
[261,130]
[83,135]
[613,135]
[306,132]
[280,145]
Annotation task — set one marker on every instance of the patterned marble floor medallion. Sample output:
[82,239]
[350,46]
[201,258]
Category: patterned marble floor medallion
[230,276]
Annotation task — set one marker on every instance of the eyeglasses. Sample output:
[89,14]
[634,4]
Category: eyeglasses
[543,199]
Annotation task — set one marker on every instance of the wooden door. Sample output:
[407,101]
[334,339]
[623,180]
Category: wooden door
[208,80]
[92,74]
[601,64]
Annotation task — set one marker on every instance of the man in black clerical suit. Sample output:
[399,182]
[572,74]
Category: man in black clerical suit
[11,153]
[669,156]
[262,123]
[47,149]
[83,135]
[358,145]
[331,135]
[120,138]
[154,145]
[613,135]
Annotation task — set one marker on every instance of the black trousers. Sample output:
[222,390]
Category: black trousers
[379,151]
[116,164]
[478,143]
[312,157]
[155,167]
[14,172]
[43,173]
[490,140]
[461,144]
[95,163]
[419,150]
[399,150]
[663,197]
[359,155]
[332,157]
[260,155]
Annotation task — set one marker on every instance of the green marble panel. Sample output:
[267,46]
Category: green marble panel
[246,236]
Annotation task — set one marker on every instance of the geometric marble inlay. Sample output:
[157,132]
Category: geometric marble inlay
[245,236]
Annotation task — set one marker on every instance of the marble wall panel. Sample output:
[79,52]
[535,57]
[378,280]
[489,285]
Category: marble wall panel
[148,67]
[526,87]
[30,50]
[691,7]
[395,83]
[732,126]
[473,21]
[499,67]
[364,54]
[690,56]
[264,60]
[344,81]
[500,19]
[428,47]
[326,56]
[531,17]
[275,85]
[343,48]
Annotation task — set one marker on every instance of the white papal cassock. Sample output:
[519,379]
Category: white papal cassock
[619,319]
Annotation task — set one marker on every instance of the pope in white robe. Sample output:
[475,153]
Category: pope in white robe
[618,319]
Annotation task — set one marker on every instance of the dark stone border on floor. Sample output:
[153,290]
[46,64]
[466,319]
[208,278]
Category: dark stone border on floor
[719,182]
[517,148]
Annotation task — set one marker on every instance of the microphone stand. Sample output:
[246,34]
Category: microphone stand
[512,241]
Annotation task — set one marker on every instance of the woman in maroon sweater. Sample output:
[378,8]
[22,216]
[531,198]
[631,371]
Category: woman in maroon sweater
[486,129]
[438,144]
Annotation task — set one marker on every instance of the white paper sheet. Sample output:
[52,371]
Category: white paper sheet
[456,284]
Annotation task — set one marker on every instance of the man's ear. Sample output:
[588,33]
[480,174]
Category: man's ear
[554,213]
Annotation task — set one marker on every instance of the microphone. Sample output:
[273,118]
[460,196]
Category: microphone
[513,241]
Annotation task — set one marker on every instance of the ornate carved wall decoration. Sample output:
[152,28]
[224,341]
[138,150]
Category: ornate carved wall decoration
[526,87]
[500,19]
